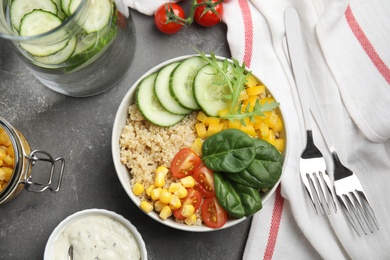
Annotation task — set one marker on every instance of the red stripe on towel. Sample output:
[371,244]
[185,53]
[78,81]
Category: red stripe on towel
[248,27]
[275,224]
[366,44]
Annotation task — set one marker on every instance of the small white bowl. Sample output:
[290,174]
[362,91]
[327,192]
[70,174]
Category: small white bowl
[49,249]
[123,172]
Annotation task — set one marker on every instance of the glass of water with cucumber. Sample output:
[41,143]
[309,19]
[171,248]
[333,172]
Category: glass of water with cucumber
[76,47]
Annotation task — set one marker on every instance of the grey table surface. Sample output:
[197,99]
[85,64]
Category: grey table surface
[79,129]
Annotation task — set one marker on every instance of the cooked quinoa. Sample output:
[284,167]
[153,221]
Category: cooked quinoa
[145,146]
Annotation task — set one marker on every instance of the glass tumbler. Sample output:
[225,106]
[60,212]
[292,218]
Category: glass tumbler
[75,47]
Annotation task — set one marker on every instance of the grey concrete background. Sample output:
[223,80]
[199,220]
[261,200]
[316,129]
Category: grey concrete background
[79,129]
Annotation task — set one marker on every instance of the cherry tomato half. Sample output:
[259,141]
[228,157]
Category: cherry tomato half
[204,178]
[213,215]
[193,197]
[205,16]
[185,163]
[163,13]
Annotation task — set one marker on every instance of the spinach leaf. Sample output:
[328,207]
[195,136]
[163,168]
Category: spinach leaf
[227,196]
[238,200]
[249,197]
[265,169]
[229,151]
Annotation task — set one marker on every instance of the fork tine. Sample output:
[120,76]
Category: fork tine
[327,185]
[345,205]
[367,207]
[358,211]
[309,187]
[323,201]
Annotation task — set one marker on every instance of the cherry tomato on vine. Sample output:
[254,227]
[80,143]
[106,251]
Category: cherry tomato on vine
[166,18]
[207,14]
[213,215]
[185,163]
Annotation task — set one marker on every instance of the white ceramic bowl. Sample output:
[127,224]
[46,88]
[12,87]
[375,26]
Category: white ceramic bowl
[49,249]
[123,172]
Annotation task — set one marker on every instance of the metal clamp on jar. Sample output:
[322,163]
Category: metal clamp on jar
[16,162]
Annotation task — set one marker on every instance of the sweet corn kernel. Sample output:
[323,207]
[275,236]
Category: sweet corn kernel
[174,187]
[165,196]
[138,189]
[155,193]
[158,206]
[165,213]
[9,160]
[2,174]
[149,190]
[3,154]
[182,192]
[161,172]
[4,139]
[188,181]
[175,202]
[146,206]
[188,210]
[191,220]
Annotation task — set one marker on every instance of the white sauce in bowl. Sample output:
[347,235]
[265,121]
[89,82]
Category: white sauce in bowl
[96,237]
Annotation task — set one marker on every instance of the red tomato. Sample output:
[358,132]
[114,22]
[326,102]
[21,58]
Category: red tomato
[213,215]
[193,197]
[165,20]
[184,163]
[204,14]
[205,181]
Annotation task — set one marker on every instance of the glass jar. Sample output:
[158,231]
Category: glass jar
[76,47]
[16,162]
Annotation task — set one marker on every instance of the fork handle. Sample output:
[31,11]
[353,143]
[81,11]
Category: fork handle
[297,59]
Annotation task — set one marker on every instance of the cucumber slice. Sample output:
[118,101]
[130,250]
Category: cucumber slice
[149,106]
[65,6]
[86,42]
[60,13]
[58,57]
[38,22]
[182,79]
[208,90]
[161,89]
[98,16]
[19,8]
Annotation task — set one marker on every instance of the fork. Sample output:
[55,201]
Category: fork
[312,164]
[348,189]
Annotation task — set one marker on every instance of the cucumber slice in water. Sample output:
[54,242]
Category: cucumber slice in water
[58,57]
[150,107]
[161,89]
[19,8]
[209,91]
[65,6]
[38,22]
[182,79]
[98,16]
